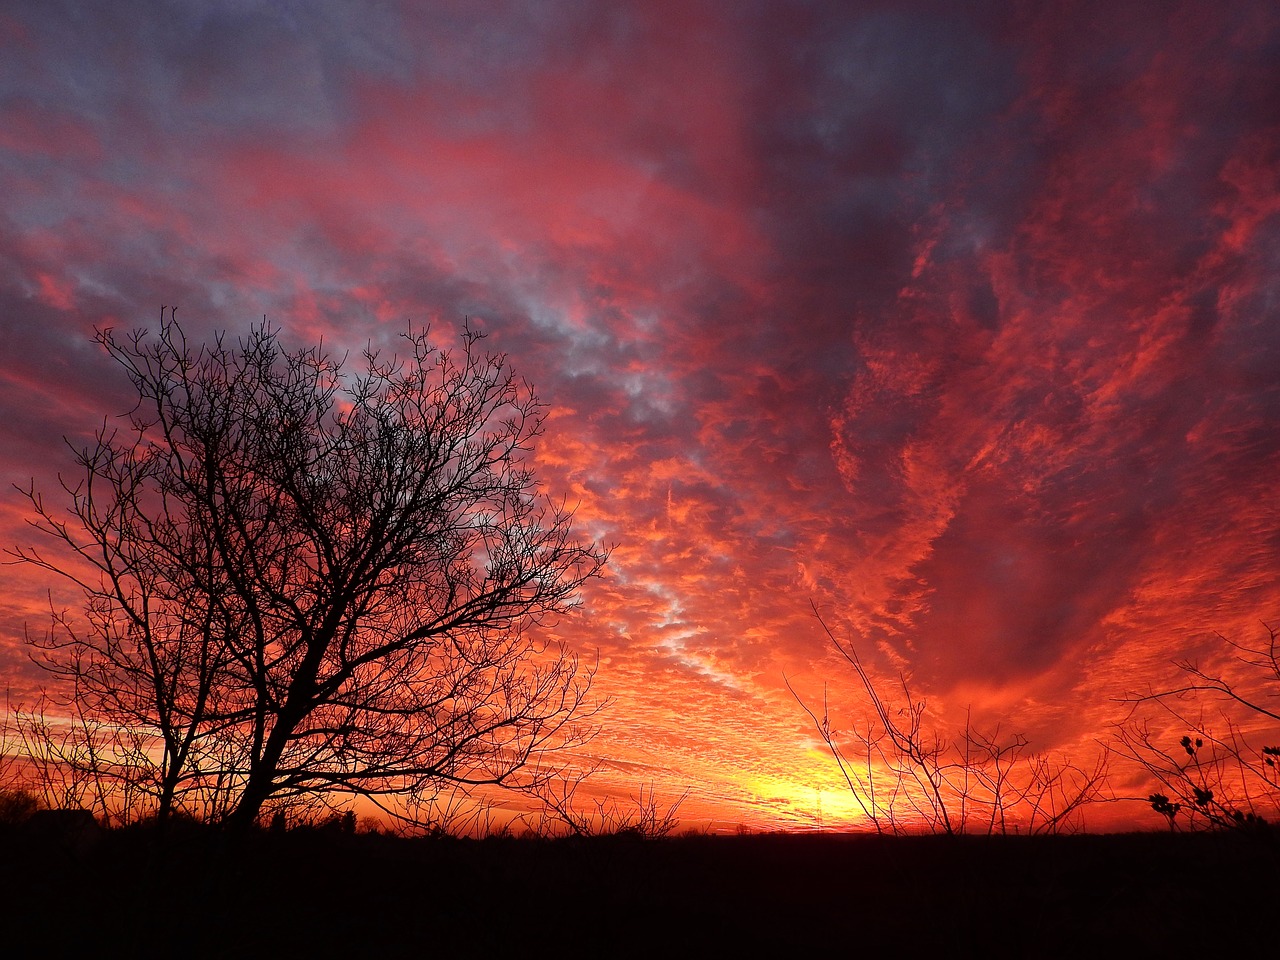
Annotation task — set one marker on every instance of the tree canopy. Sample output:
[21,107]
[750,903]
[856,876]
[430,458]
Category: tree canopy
[301,581]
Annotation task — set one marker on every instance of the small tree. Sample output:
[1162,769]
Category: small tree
[301,582]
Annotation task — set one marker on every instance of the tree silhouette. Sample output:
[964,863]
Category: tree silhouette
[301,582]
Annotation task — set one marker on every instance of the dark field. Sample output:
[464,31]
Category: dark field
[312,893]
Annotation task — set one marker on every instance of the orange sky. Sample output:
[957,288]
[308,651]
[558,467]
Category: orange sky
[960,325]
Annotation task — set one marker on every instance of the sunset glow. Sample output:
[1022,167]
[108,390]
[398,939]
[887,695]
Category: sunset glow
[959,323]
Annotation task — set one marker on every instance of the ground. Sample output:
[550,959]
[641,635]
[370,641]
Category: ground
[317,894]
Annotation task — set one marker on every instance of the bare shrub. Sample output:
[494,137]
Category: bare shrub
[1211,744]
[907,776]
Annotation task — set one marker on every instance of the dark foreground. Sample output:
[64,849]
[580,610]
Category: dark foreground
[318,894]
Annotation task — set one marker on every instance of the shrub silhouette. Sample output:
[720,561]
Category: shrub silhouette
[1215,777]
[17,805]
[905,776]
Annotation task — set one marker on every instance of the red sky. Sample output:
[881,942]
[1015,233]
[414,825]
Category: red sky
[959,321]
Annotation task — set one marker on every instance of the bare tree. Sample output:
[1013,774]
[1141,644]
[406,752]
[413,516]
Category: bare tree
[1198,740]
[300,581]
[904,775]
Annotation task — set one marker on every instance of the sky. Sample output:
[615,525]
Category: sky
[956,322]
